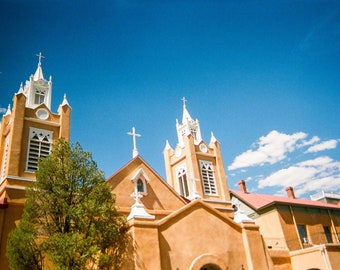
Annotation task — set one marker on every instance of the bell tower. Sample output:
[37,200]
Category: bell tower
[27,132]
[195,168]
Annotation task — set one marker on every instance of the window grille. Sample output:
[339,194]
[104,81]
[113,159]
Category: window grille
[182,181]
[208,178]
[39,96]
[40,144]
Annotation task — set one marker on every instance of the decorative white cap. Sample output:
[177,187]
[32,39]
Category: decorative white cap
[8,112]
[38,75]
[65,102]
[21,89]
[137,210]
[134,135]
[186,116]
[212,139]
[167,145]
[239,216]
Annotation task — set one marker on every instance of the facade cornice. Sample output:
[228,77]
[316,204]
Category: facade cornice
[20,178]
[42,121]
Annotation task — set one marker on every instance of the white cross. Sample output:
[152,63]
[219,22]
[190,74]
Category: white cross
[40,56]
[184,100]
[136,196]
[134,135]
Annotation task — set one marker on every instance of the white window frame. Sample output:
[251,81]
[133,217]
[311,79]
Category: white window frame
[39,145]
[182,180]
[39,96]
[208,178]
[142,176]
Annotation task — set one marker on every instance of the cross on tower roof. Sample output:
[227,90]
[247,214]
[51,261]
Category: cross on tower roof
[184,100]
[134,135]
[40,56]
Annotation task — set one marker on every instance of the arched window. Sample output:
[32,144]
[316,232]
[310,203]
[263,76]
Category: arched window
[140,185]
[39,146]
[182,179]
[140,181]
[39,96]
[208,178]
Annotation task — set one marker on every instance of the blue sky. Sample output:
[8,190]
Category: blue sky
[264,76]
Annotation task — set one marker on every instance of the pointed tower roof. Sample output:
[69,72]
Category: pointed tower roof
[212,139]
[188,126]
[167,145]
[38,75]
[186,115]
[65,102]
[8,112]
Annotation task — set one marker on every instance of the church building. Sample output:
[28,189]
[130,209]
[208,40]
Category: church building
[187,221]
[27,131]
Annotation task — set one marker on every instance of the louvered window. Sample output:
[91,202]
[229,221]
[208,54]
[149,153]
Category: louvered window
[182,181]
[208,178]
[39,96]
[40,144]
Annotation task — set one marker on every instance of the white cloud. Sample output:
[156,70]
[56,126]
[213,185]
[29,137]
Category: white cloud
[322,173]
[313,140]
[270,149]
[3,110]
[330,144]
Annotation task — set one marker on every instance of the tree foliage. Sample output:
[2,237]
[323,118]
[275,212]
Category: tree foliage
[70,220]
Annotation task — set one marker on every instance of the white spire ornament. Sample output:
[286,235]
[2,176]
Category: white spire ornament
[138,210]
[38,75]
[134,135]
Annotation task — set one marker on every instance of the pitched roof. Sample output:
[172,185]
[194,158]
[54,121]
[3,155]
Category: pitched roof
[260,201]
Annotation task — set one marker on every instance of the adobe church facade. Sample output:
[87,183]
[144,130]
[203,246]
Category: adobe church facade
[28,131]
[187,221]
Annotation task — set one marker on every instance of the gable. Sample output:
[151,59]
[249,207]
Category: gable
[160,199]
[198,229]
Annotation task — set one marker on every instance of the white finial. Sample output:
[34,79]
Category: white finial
[137,196]
[239,216]
[167,145]
[65,102]
[21,89]
[212,139]
[40,56]
[194,194]
[8,110]
[134,135]
[137,210]
[184,101]
[38,75]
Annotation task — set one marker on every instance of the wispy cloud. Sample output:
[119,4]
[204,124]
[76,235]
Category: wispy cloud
[269,149]
[300,168]
[310,175]
[320,28]
[330,144]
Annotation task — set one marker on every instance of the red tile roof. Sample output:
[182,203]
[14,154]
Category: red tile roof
[258,201]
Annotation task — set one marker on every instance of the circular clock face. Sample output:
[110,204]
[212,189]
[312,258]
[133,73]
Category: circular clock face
[178,152]
[42,114]
[203,148]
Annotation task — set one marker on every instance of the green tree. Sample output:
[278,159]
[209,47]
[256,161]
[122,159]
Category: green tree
[70,219]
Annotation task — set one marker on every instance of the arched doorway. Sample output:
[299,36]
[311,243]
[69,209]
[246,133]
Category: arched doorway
[208,262]
[210,267]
